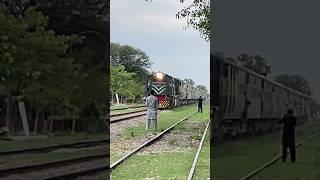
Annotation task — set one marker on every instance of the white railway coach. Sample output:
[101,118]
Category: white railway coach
[251,102]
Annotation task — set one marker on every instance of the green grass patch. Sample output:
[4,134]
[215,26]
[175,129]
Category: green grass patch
[202,171]
[165,120]
[307,166]
[159,166]
[235,159]
[167,165]
[33,142]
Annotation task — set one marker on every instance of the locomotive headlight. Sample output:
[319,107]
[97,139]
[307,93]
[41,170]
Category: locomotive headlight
[159,76]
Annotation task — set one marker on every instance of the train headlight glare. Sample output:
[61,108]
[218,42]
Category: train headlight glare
[159,75]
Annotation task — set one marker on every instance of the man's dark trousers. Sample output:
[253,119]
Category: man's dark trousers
[288,144]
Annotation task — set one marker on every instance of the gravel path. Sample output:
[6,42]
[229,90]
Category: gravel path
[116,129]
[119,145]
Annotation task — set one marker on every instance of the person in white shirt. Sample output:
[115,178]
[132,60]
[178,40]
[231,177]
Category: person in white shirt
[152,104]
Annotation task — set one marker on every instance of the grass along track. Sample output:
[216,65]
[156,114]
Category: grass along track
[275,159]
[150,163]
[132,134]
[196,158]
[203,165]
[242,156]
[306,166]
[115,164]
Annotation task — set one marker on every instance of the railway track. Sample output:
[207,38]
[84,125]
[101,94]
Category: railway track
[55,147]
[147,143]
[193,167]
[126,116]
[61,169]
[129,115]
[275,159]
[126,113]
[134,107]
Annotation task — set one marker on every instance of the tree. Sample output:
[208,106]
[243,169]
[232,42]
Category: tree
[123,82]
[202,87]
[133,59]
[35,66]
[74,18]
[295,82]
[189,81]
[198,16]
[256,63]
[81,17]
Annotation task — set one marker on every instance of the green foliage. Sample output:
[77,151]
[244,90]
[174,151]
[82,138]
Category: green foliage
[295,82]
[198,16]
[189,81]
[202,87]
[255,63]
[44,62]
[133,59]
[35,64]
[123,82]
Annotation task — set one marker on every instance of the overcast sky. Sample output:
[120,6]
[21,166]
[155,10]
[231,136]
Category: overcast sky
[153,27]
[286,32]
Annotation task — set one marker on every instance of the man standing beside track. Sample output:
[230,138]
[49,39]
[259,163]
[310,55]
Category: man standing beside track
[288,136]
[152,110]
[200,104]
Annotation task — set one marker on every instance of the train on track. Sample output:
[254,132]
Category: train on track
[172,92]
[252,103]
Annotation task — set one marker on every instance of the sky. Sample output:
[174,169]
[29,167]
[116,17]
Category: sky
[286,32]
[153,28]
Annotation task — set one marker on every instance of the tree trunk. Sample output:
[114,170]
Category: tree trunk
[36,123]
[73,125]
[50,125]
[8,112]
[45,126]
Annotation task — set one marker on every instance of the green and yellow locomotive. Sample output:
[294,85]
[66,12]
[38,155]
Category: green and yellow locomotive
[171,91]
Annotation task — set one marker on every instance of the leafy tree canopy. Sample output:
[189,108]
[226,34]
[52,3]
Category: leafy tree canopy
[256,63]
[295,82]
[189,81]
[34,62]
[133,59]
[202,87]
[123,82]
[197,14]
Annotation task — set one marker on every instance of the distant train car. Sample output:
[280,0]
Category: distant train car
[252,103]
[172,91]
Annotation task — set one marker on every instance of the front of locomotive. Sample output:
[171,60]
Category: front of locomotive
[160,84]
